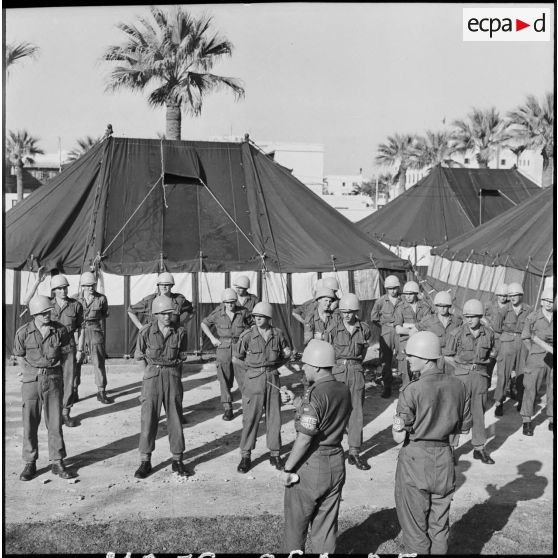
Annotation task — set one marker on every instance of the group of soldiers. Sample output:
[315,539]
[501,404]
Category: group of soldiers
[445,363]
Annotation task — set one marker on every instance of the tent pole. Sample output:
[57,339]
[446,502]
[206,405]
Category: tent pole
[16,299]
[196,297]
[351,281]
[260,284]
[126,318]
[227,279]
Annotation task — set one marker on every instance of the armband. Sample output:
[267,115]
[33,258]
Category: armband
[398,423]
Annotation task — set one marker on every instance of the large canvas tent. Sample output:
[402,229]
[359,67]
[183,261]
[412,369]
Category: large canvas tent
[445,204]
[201,210]
[515,246]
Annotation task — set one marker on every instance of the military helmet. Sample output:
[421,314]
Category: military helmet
[502,290]
[349,303]
[40,304]
[87,278]
[165,278]
[548,294]
[424,344]
[59,281]
[391,282]
[263,309]
[330,283]
[321,293]
[443,298]
[241,281]
[162,305]
[473,307]
[319,354]
[411,287]
[515,289]
[229,295]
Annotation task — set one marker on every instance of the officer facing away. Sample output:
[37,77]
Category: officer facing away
[431,407]
[161,350]
[317,455]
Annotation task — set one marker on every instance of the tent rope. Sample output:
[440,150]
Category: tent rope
[163,177]
[543,277]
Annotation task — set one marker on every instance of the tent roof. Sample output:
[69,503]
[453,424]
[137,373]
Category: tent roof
[521,238]
[229,205]
[445,204]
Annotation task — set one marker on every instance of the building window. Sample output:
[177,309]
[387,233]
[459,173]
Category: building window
[343,184]
[466,161]
[503,162]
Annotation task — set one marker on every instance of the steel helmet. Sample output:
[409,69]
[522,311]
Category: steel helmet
[473,307]
[165,278]
[502,290]
[548,294]
[443,298]
[263,309]
[424,344]
[162,305]
[411,287]
[391,282]
[330,283]
[87,278]
[241,281]
[229,295]
[40,304]
[58,281]
[515,289]
[319,354]
[319,284]
[320,293]
[349,302]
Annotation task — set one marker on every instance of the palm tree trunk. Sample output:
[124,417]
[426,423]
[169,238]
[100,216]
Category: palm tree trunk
[19,180]
[174,121]
[548,171]
[401,180]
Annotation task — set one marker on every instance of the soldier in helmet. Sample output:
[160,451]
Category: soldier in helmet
[383,314]
[161,349]
[229,320]
[69,313]
[39,346]
[92,337]
[350,339]
[262,349]
[318,321]
[317,455]
[468,348]
[512,352]
[241,284]
[490,315]
[430,409]
[406,317]
[300,313]
[538,336]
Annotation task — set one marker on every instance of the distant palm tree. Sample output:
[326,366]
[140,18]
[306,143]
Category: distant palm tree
[21,149]
[398,152]
[482,133]
[434,148]
[19,51]
[533,125]
[83,146]
[176,53]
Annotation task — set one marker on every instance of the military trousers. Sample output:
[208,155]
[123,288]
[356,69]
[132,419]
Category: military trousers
[69,364]
[538,372]
[424,487]
[387,353]
[227,371]
[402,365]
[164,390]
[258,396]
[511,357]
[351,373]
[95,348]
[477,388]
[313,502]
[45,393]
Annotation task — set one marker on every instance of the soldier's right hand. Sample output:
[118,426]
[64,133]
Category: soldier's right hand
[216,342]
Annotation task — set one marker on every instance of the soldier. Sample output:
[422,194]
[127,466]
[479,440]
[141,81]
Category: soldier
[406,316]
[490,315]
[512,352]
[263,349]
[183,309]
[468,348]
[318,321]
[38,347]
[160,350]
[69,313]
[317,455]
[300,313]
[430,409]
[241,284]
[92,335]
[350,339]
[383,315]
[538,336]
[229,320]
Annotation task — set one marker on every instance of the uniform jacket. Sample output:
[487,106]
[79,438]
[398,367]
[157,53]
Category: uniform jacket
[70,316]
[404,313]
[537,325]
[142,309]
[468,350]
[383,312]
[432,323]
[258,353]
[250,302]
[346,345]
[228,332]
[509,324]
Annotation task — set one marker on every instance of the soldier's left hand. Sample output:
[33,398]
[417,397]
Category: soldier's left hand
[286,479]
[287,396]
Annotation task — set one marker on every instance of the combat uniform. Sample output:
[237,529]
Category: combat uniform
[472,356]
[432,408]
[306,308]
[161,385]
[183,308]
[315,327]
[42,386]
[228,333]
[248,301]
[261,358]
[383,314]
[94,314]
[433,323]
[490,316]
[350,350]
[539,367]
[69,315]
[323,414]
[512,352]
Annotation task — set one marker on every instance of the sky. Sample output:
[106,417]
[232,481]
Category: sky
[343,75]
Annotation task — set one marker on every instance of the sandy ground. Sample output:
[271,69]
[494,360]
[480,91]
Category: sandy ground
[103,452]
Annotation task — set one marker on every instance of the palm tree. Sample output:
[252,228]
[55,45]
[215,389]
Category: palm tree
[398,152]
[83,146]
[176,53]
[533,125]
[21,149]
[434,148]
[482,133]
[19,51]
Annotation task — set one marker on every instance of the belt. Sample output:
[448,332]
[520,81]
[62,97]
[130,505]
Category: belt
[158,365]
[234,339]
[346,360]
[472,367]
[329,450]
[44,370]
[430,443]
